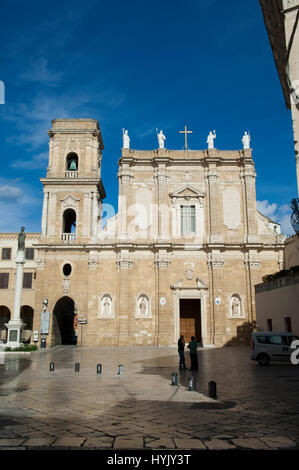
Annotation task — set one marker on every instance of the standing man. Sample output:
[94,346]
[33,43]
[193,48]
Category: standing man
[193,353]
[181,350]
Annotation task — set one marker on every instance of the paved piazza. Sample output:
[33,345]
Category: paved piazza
[257,407]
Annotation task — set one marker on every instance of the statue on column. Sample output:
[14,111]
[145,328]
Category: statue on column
[161,139]
[126,139]
[21,239]
[210,139]
[246,141]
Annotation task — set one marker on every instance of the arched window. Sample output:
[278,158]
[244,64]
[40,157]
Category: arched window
[72,162]
[69,221]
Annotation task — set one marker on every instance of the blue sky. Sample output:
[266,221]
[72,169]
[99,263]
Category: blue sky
[140,65]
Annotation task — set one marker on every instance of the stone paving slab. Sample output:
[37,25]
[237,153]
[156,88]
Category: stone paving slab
[163,443]
[39,442]
[250,443]
[126,443]
[279,442]
[218,444]
[103,443]
[11,442]
[68,441]
[189,444]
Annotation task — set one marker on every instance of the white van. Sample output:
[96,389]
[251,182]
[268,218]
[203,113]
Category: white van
[269,346]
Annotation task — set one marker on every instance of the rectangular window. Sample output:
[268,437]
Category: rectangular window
[4,277]
[29,253]
[288,324]
[6,253]
[187,220]
[27,281]
[269,325]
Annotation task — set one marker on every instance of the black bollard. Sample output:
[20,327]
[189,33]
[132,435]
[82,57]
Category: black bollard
[77,367]
[213,390]
[120,369]
[51,366]
[191,384]
[174,379]
[99,368]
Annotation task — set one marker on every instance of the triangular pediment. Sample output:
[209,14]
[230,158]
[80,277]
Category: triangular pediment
[70,198]
[201,284]
[187,191]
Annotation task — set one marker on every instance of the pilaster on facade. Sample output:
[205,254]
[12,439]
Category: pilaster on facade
[93,261]
[215,261]
[252,261]
[125,175]
[162,261]
[160,176]
[40,263]
[124,261]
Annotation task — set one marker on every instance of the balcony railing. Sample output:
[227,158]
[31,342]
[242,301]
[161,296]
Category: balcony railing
[71,174]
[68,237]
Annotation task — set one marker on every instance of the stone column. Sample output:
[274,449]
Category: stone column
[14,326]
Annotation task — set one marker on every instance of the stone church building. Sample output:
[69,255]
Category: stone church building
[181,256]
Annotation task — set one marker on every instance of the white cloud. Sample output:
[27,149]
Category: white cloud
[39,71]
[278,213]
[36,162]
[10,192]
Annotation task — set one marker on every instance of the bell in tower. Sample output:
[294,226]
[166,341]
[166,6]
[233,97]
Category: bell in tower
[72,162]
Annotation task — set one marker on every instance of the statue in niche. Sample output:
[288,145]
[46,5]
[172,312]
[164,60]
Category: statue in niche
[235,307]
[21,239]
[106,306]
[143,306]
[126,139]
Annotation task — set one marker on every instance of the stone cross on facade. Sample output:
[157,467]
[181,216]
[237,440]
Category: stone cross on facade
[186,132]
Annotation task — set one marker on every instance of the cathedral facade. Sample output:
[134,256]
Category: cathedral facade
[181,256]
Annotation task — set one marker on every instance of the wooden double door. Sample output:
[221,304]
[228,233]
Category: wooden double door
[190,319]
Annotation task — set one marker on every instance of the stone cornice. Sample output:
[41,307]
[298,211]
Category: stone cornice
[75,182]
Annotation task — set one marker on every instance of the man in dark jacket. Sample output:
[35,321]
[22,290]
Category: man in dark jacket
[181,350]
[193,353]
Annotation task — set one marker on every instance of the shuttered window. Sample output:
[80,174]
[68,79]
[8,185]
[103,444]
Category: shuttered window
[6,253]
[27,281]
[4,278]
[29,253]
[187,220]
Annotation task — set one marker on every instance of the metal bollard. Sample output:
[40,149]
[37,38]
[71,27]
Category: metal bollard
[99,368]
[120,369]
[51,366]
[174,379]
[213,390]
[191,384]
[77,367]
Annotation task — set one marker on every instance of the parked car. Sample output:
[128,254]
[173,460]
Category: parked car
[269,346]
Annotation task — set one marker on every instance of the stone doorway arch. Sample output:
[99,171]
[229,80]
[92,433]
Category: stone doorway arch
[63,323]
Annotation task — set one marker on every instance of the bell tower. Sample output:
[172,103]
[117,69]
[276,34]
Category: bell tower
[73,189]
